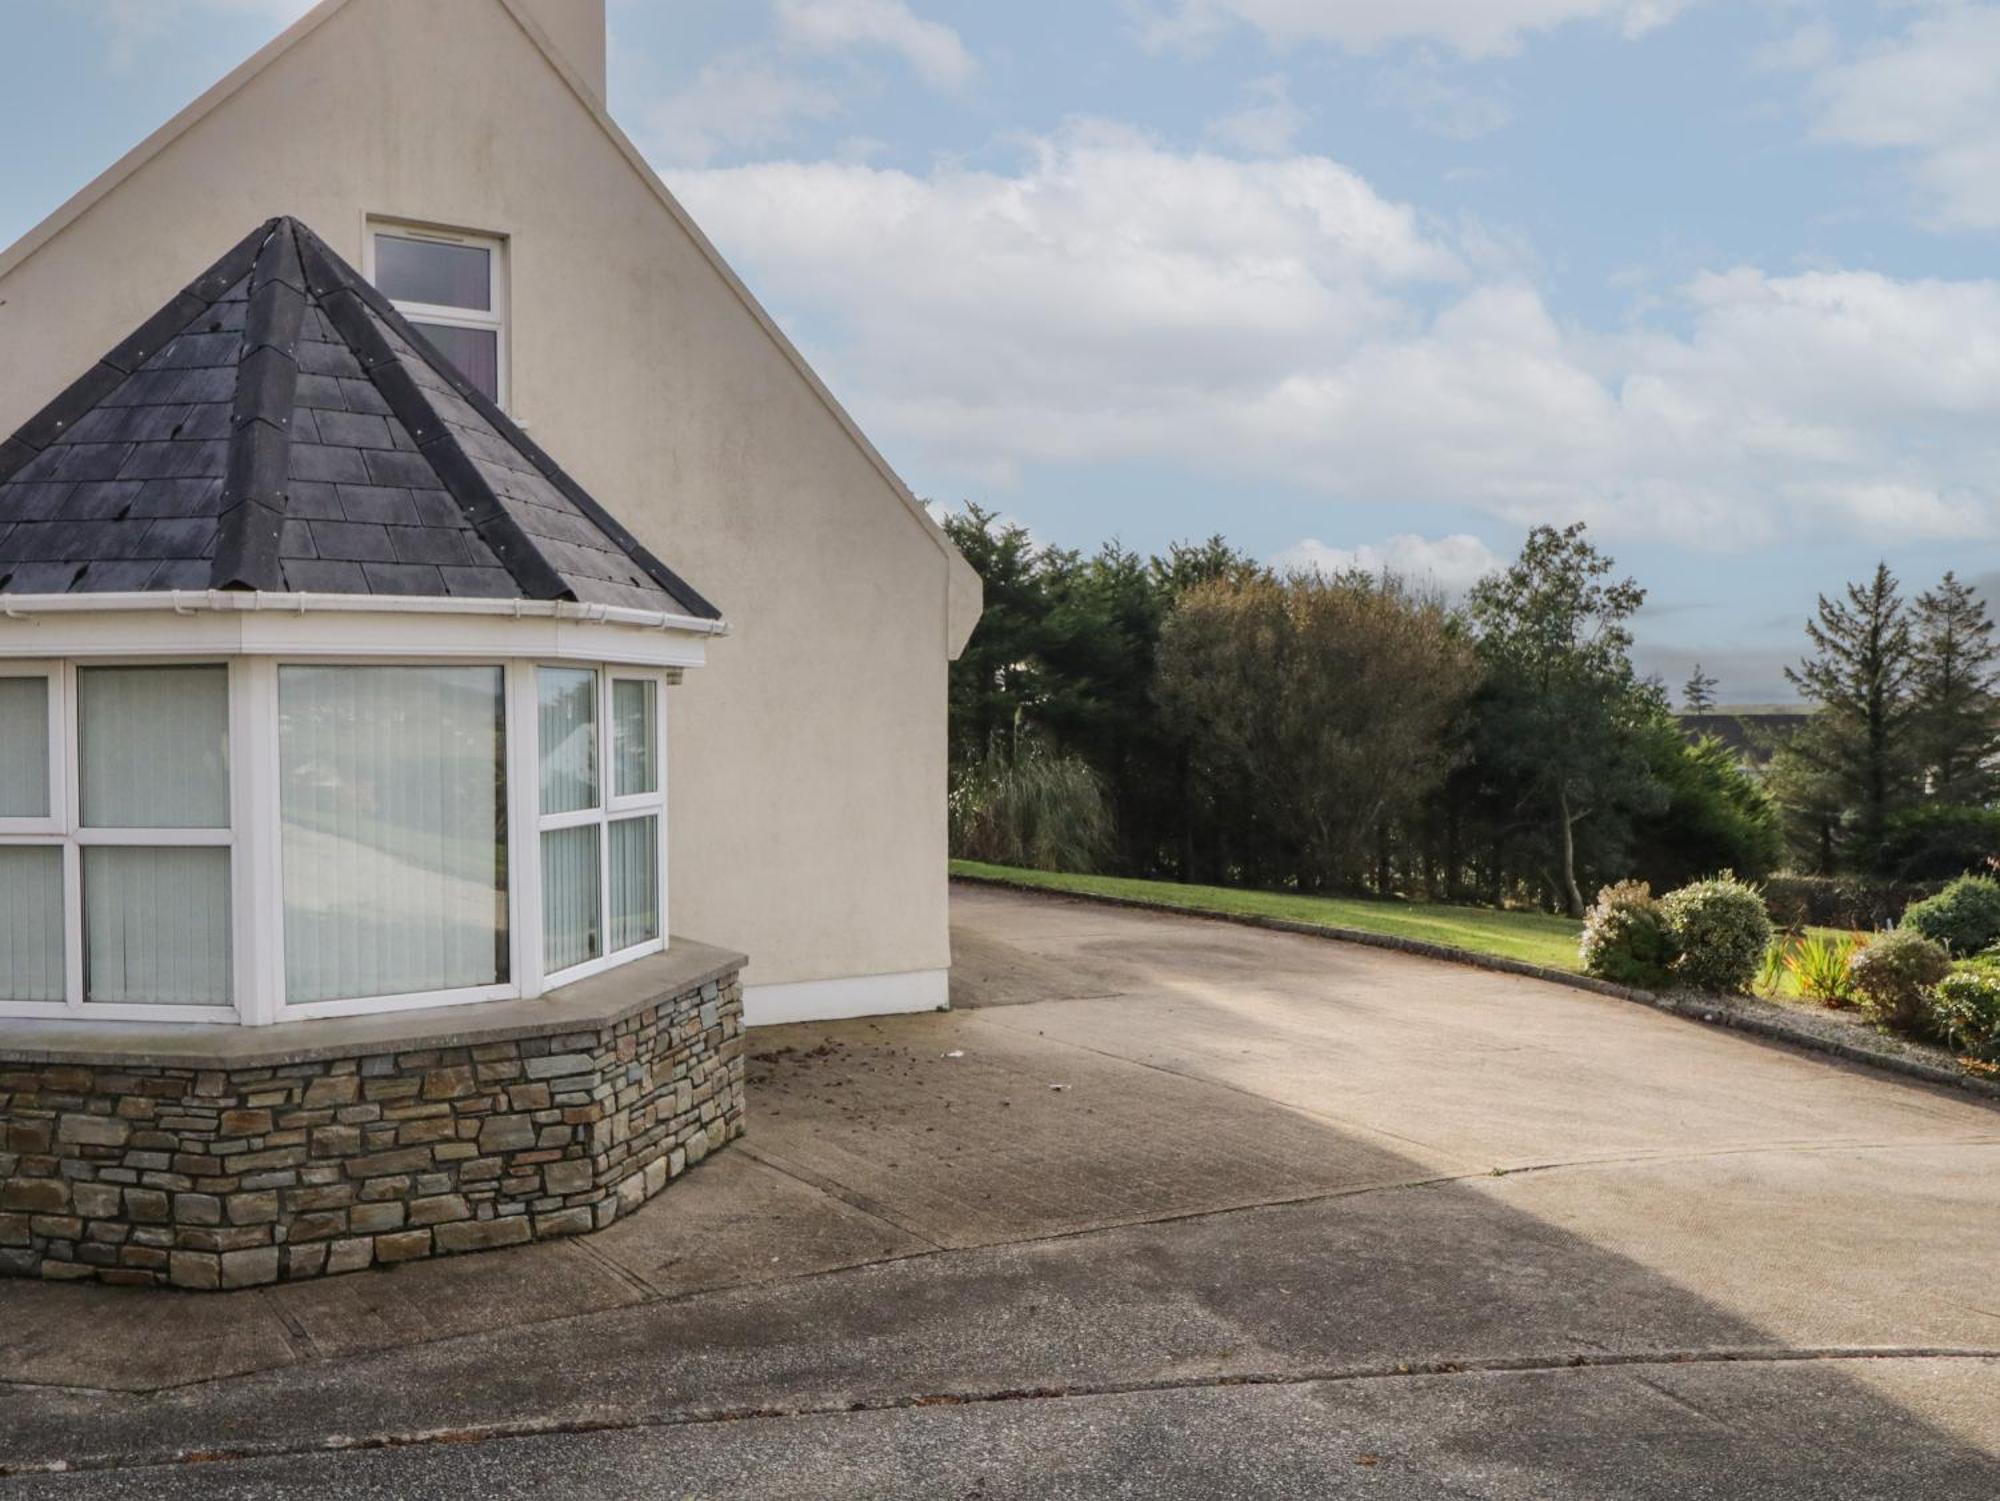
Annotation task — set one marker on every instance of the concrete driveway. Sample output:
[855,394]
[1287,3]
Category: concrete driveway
[1167,1208]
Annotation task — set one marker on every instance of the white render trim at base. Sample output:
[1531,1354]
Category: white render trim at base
[837,1000]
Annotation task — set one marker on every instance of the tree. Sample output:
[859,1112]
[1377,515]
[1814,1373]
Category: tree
[1859,676]
[1954,720]
[1330,701]
[1564,714]
[1698,697]
[998,680]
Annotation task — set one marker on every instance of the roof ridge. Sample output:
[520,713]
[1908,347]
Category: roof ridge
[256,490]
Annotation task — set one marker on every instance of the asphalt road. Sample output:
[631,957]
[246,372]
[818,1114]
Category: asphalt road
[1167,1209]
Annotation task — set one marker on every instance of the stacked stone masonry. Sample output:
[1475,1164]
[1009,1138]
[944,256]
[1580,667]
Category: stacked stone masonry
[213,1180]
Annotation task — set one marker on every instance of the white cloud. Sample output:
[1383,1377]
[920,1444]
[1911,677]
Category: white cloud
[738,101]
[1453,564]
[1473,28]
[1280,320]
[931,48]
[1932,93]
[130,25]
[1267,125]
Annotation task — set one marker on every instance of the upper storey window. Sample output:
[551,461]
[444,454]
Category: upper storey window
[451,287]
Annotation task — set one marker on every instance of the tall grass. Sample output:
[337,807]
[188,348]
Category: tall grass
[1030,807]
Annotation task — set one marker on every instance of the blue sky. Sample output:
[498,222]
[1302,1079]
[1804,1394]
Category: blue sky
[1384,281]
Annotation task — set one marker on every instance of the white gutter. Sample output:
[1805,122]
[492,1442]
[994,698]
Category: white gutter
[235,601]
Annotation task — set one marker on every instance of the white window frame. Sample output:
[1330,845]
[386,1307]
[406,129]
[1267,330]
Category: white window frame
[610,809]
[51,675]
[494,319]
[270,898]
[65,831]
[254,837]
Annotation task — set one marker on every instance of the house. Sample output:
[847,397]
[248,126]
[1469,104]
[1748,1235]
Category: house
[457,155]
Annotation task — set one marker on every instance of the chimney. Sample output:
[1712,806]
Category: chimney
[576,28]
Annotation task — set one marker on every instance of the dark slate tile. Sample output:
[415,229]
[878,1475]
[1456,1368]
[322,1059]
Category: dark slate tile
[81,461]
[399,437]
[437,508]
[38,578]
[404,578]
[361,396]
[178,497]
[174,461]
[43,467]
[328,359]
[310,576]
[312,500]
[417,544]
[627,596]
[200,351]
[323,393]
[352,541]
[182,573]
[295,541]
[305,426]
[190,538]
[480,583]
[74,541]
[227,315]
[208,421]
[388,466]
[102,500]
[353,430]
[314,461]
[155,424]
[33,502]
[377,503]
[206,385]
[148,388]
[117,575]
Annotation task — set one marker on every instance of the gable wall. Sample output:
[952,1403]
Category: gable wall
[808,759]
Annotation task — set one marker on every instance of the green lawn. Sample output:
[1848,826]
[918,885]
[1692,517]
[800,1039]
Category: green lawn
[1534,937]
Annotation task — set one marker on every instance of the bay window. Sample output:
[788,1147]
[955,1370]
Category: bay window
[264,840]
[601,811]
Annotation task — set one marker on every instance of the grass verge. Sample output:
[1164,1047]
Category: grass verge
[1530,937]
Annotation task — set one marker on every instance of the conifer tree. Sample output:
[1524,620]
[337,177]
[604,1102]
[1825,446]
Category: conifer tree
[1956,719]
[1859,676]
[1698,696]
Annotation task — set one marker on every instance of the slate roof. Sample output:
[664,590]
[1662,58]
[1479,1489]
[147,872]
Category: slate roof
[278,426]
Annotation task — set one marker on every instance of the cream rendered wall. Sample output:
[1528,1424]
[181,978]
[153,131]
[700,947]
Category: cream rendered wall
[808,759]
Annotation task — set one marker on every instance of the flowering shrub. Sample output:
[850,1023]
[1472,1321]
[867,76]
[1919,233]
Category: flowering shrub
[1625,937]
[1720,933]
[1894,976]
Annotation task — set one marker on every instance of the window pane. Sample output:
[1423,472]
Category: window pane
[24,747]
[475,351]
[154,747]
[635,732]
[427,271]
[571,910]
[392,801]
[635,882]
[156,926]
[569,739]
[31,924]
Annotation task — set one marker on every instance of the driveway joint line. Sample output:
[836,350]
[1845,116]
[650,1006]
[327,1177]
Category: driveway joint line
[1637,1360]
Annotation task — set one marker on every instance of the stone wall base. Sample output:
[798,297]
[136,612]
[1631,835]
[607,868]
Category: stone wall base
[212,1179]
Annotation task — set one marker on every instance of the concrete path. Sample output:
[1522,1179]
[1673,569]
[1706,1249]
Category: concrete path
[1167,1208]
